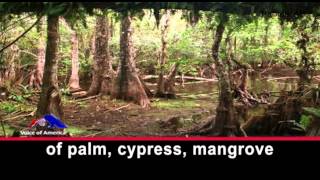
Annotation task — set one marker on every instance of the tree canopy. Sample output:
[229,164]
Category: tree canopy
[226,7]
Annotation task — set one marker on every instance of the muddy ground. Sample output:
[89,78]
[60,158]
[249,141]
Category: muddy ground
[105,117]
[101,116]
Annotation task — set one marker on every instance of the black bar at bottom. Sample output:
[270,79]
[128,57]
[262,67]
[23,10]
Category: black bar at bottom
[161,150]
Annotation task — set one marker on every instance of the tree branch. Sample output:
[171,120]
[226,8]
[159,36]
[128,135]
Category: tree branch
[14,41]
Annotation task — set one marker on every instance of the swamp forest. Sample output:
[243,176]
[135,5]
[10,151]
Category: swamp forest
[161,68]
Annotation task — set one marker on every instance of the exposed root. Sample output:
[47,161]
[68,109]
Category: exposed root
[166,84]
[248,99]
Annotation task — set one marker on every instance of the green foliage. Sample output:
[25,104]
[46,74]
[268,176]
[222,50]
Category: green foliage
[13,106]
[312,111]
[8,107]
[65,50]
[65,91]
[190,46]
[82,104]
[20,95]
[146,39]
[251,36]
[75,131]
[171,104]
[305,121]
[18,98]
[8,130]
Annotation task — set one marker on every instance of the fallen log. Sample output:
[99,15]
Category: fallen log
[181,77]
[187,83]
[317,78]
[280,78]
[201,81]
[76,90]
[87,98]
[79,94]
[20,116]
[119,108]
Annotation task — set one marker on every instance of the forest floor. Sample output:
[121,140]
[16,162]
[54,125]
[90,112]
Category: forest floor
[105,117]
[101,116]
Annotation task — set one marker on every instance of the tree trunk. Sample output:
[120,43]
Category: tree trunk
[239,85]
[37,75]
[128,85]
[74,78]
[225,123]
[163,55]
[108,72]
[170,81]
[92,45]
[102,69]
[50,101]
[265,58]
[8,66]
[266,29]
[10,71]
[111,29]
[244,80]
[235,47]
[306,68]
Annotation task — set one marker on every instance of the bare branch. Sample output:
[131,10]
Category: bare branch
[14,41]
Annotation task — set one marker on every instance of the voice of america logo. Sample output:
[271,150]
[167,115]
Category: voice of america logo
[48,125]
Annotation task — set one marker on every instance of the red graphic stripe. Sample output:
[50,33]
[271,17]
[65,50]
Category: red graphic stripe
[148,138]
